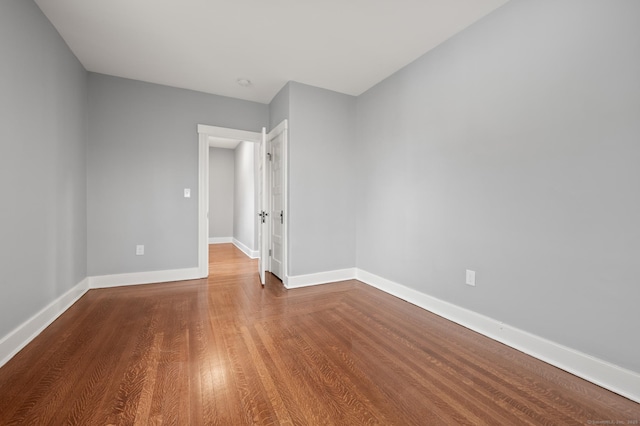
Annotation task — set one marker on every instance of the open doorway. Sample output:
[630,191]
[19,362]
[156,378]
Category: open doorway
[268,199]
[232,195]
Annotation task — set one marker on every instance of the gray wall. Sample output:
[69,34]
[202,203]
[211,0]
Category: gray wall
[221,192]
[143,152]
[244,217]
[513,150]
[279,106]
[43,103]
[321,180]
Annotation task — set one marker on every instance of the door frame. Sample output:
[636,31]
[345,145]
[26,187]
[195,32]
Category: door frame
[205,133]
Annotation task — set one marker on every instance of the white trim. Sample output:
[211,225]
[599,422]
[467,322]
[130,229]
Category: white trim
[203,204]
[220,240]
[253,254]
[22,335]
[226,133]
[204,142]
[298,281]
[136,278]
[619,380]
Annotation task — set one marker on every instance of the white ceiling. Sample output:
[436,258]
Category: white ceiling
[206,45]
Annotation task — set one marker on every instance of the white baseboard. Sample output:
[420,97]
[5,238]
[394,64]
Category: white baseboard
[619,380]
[297,281]
[220,240]
[17,339]
[136,278]
[253,254]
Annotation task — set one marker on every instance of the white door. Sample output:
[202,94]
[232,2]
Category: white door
[263,223]
[276,210]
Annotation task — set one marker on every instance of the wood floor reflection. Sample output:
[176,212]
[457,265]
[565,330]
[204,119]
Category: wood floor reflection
[227,351]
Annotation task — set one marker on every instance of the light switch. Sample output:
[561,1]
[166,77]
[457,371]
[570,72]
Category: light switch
[471,277]
[187,193]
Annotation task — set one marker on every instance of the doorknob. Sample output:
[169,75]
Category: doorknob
[281,216]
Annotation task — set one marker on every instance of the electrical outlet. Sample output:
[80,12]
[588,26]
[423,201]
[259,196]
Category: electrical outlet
[187,193]
[139,250]
[471,278]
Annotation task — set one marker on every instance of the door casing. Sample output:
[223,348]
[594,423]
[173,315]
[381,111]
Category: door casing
[205,133]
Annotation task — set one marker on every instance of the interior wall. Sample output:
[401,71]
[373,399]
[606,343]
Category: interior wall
[142,153]
[512,150]
[279,106]
[43,104]
[221,192]
[245,213]
[321,180]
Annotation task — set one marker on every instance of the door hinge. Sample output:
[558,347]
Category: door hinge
[269,252]
[269,156]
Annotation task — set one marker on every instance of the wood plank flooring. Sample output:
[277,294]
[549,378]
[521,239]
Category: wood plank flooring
[225,351]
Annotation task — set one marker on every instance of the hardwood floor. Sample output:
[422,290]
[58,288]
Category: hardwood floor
[226,351]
